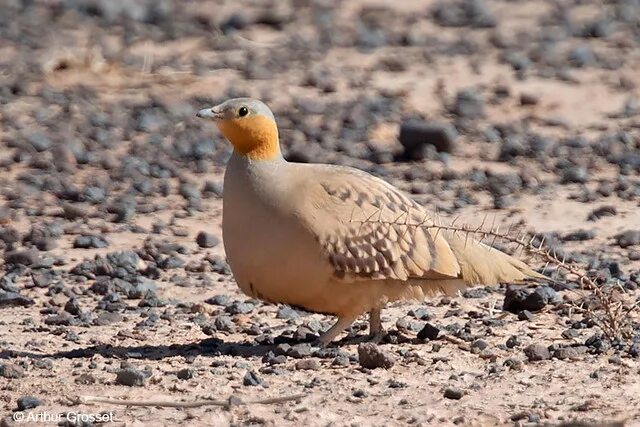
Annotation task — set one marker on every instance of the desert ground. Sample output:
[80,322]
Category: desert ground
[114,282]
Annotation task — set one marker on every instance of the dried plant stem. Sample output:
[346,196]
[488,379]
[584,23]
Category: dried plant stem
[193,404]
[616,319]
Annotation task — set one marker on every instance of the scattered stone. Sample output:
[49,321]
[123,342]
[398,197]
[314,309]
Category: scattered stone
[469,104]
[286,312]
[90,242]
[574,174]
[131,377]
[579,236]
[251,379]
[563,353]
[529,99]
[207,240]
[463,13]
[479,344]
[414,135]
[429,332]
[513,341]
[22,257]
[420,313]
[224,324]
[598,344]
[634,350]
[453,393]
[628,238]
[371,356]
[602,211]
[28,402]
[14,299]
[62,319]
[39,141]
[186,373]
[11,371]
[517,299]
[238,307]
[525,315]
[536,352]
[300,351]
[308,365]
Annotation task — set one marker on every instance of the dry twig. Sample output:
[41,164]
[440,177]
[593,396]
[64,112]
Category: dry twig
[233,400]
[615,323]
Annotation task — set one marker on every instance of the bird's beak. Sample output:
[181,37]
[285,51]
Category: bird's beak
[210,113]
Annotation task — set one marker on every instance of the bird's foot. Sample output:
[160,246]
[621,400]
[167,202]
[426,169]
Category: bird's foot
[376,337]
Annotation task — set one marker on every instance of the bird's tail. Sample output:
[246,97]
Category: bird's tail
[481,264]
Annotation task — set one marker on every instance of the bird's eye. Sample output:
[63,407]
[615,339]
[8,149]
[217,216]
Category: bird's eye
[243,111]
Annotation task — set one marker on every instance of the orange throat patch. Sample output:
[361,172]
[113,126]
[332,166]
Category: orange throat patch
[255,137]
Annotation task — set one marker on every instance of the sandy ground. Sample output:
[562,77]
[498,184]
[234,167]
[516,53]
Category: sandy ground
[500,385]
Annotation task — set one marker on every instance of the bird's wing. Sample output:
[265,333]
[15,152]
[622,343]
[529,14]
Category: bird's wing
[368,229]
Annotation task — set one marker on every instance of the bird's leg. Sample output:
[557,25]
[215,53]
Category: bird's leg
[376,333]
[343,323]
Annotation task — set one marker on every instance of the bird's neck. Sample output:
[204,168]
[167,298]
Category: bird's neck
[254,137]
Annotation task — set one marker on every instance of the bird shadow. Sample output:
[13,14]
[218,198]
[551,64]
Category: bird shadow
[206,347]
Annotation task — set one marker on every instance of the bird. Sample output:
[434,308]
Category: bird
[333,239]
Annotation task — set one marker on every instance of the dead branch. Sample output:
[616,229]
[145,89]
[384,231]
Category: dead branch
[615,323]
[231,401]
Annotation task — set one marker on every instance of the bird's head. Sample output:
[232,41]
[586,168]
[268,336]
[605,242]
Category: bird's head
[249,126]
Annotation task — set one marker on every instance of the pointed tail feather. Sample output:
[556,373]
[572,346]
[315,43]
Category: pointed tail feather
[483,265]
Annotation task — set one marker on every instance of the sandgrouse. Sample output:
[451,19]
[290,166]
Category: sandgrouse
[333,239]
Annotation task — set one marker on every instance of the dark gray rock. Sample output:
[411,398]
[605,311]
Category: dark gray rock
[207,240]
[308,365]
[62,319]
[563,353]
[517,299]
[28,402]
[420,313]
[525,315]
[39,141]
[186,373]
[287,313]
[11,371]
[628,238]
[239,307]
[512,146]
[90,242]
[371,356]
[579,236]
[469,104]
[414,135]
[453,393]
[463,13]
[300,351]
[429,331]
[22,257]
[224,324]
[575,174]
[602,211]
[251,379]
[536,352]
[131,377]
[14,299]
[513,341]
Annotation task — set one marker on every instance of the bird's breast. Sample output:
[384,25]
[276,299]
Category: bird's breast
[271,254]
